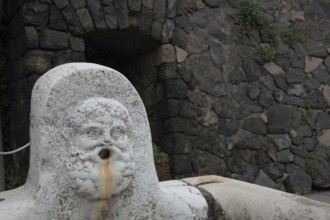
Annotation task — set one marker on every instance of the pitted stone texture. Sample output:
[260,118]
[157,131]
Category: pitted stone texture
[91,154]
[229,193]
[312,63]
[55,40]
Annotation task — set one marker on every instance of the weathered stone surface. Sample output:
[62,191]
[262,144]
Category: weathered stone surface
[78,3]
[228,127]
[237,76]
[255,125]
[321,177]
[122,13]
[77,44]
[214,3]
[85,19]
[295,76]
[110,16]
[169,108]
[159,9]
[211,141]
[284,156]
[265,98]
[148,3]
[298,180]
[186,6]
[56,21]
[35,13]
[321,74]
[224,108]
[72,20]
[175,89]
[167,32]
[273,68]
[31,37]
[264,180]
[95,7]
[297,90]
[61,109]
[209,163]
[177,143]
[217,52]
[196,44]
[324,139]
[181,55]
[187,110]
[254,92]
[53,40]
[282,141]
[247,108]
[167,71]
[165,54]
[312,63]
[251,69]
[198,98]
[326,93]
[156,30]
[252,142]
[171,8]
[323,121]
[181,125]
[280,119]
[63,57]
[316,100]
[213,85]
[146,20]
[134,5]
[61,3]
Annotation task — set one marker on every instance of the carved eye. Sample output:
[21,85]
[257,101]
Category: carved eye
[117,133]
[94,132]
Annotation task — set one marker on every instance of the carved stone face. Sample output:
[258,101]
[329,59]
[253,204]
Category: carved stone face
[100,164]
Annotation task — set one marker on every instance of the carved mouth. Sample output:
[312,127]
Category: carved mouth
[104,154]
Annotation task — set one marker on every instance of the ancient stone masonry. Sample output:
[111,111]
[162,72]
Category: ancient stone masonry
[251,104]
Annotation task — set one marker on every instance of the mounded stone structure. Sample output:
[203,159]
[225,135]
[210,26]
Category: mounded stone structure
[91,154]
[211,106]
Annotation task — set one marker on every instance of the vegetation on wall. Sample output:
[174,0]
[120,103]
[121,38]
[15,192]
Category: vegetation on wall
[252,18]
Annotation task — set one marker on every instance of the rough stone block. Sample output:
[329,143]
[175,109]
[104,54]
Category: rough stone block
[225,108]
[181,55]
[146,20]
[167,32]
[72,20]
[53,40]
[156,30]
[218,55]
[85,19]
[196,44]
[67,57]
[280,119]
[122,13]
[312,63]
[255,125]
[110,16]
[175,88]
[295,76]
[35,13]
[77,44]
[168,71]
[298,181]
[159,9]
[56,21]
[273,68]
[182,164]
[264,180]
[78,3]
[95,8]
[134,5]
[61,3]
[31,37]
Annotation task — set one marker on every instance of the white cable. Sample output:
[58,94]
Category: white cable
[15,151]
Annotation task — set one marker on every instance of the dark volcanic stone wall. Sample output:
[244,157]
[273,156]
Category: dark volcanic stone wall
[212,107]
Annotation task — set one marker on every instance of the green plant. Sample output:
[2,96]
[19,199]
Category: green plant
[265,54]
[289,37]
[160,158]
[306,120]
[311,163]
[250,17]
[13,178]
[271,34]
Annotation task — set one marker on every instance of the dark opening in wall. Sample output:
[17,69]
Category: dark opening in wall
[128,51]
